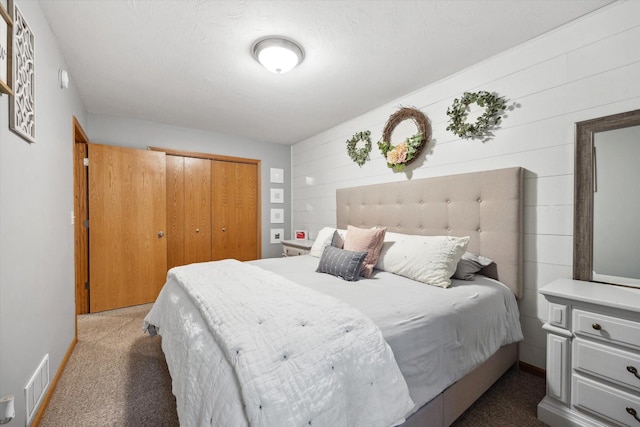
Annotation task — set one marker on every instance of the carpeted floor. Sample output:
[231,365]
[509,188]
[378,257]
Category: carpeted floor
[117,376]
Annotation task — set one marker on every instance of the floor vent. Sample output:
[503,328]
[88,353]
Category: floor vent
[36,387]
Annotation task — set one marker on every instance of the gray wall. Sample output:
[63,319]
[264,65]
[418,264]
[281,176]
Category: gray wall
[103,129]
[37,297]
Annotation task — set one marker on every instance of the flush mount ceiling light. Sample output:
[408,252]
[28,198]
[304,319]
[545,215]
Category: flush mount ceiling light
[277,54]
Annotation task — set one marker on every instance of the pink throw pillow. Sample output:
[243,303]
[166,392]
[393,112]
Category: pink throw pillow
[368,240]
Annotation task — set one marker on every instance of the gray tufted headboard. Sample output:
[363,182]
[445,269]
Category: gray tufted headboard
[487,206]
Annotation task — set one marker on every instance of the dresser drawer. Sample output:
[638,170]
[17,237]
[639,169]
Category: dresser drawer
[610,329]
[611,364]
[614,405]
[290,251]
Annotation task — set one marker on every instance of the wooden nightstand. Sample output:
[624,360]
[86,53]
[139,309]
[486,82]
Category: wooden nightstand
[296,247]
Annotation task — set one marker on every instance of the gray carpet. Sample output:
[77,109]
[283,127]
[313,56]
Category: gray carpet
[117,376]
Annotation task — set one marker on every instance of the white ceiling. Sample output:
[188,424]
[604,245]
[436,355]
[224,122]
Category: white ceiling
[188,63]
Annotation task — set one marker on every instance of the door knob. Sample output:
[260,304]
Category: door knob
[224,229]
[197,230]
[160,234]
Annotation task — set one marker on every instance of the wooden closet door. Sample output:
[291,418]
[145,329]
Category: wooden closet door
[188,210]
[246,212]
[222,209]
[234,201]
[175,211]
[197,210]
[127,220]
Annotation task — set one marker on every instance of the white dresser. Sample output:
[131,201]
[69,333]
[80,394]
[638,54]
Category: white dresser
[593,355]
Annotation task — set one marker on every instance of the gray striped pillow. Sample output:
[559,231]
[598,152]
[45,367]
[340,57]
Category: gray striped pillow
[341,263]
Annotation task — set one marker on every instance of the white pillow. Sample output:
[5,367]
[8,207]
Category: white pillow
[427,259]
[323,239]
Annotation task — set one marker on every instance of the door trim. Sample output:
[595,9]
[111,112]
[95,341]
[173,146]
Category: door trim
[80,210]
[205,156]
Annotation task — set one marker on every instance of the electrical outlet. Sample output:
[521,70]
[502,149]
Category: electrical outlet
[7,409]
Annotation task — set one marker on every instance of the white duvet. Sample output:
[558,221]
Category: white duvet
[437,335]
[294,356]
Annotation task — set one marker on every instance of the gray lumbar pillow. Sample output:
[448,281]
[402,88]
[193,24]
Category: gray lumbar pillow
[341,263]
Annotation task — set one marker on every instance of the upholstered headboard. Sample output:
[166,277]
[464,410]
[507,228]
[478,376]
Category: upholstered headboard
[487,206]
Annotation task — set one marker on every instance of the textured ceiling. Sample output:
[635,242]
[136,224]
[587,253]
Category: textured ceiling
[188,63]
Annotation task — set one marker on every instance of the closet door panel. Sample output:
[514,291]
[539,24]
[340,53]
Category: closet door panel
[175,211]
[234,201]
[246,194]
[222,209]
[197,202]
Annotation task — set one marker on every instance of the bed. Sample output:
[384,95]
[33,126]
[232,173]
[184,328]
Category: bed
[443,377]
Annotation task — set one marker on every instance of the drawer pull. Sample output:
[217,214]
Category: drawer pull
[634,371]
[596,326]
[633,413]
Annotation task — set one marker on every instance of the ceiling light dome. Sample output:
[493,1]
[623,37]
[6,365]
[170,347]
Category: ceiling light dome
[277,54]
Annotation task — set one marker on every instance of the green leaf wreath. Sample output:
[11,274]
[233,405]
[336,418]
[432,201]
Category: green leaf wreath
[494,107]
[359,155]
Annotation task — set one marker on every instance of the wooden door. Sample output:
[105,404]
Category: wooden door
[175,211]
[234,201]
[246,211]
[127,220]
[188,210]
[197,210]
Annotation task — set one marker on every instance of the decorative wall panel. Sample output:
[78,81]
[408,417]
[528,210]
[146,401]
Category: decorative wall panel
[22,115]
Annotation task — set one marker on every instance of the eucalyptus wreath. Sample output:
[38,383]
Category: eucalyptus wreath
[359,155]
[494,107]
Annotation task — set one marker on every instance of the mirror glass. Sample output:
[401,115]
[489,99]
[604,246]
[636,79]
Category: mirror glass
[606,236]
[616,206]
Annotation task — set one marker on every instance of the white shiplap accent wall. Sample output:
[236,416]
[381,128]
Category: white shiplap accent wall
[585,69]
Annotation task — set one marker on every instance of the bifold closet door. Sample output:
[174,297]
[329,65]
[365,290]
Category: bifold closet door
[175,211]
[127,223]
[234,201]
[188,210]
[197,210]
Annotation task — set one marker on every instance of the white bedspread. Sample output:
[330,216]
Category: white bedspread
[296,356]
[437,335]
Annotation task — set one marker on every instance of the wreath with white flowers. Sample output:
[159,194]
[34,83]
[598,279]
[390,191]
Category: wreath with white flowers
[359,155]
[493,104]
[399,156]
